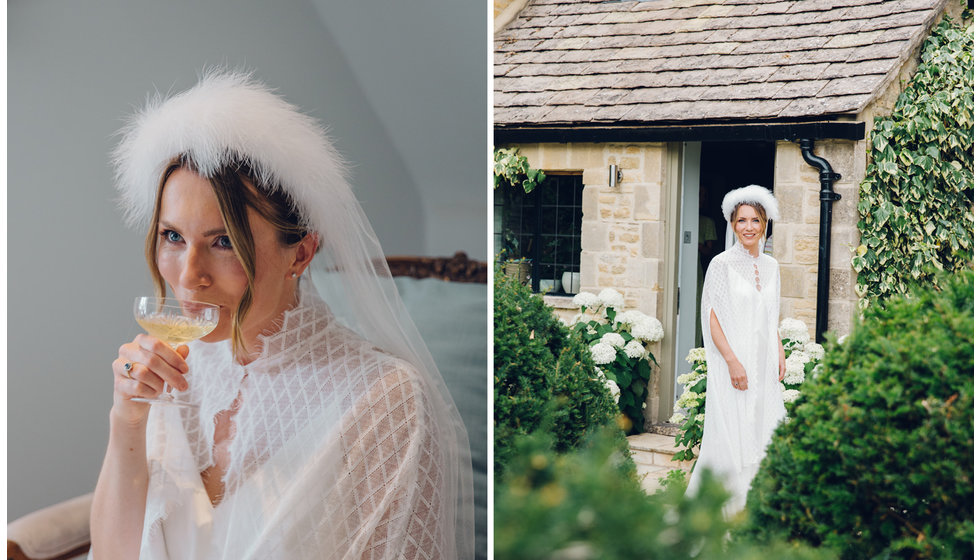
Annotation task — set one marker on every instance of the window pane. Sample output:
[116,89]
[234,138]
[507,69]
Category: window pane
[544,226]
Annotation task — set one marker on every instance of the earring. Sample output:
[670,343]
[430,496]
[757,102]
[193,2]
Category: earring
[294,275]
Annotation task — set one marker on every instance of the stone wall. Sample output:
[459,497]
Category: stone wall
[623,228]
[796,236]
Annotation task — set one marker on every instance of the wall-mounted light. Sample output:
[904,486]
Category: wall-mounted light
[615,175]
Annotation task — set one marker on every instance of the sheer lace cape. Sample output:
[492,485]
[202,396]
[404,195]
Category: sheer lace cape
[340,450]
[743,292]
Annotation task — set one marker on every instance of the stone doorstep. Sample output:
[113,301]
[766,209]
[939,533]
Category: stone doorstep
[653,454]
[650,477]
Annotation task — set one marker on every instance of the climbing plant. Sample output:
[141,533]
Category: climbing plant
[511,168]
[915,209]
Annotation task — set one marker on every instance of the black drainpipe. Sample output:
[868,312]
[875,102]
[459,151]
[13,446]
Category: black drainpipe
[827,198]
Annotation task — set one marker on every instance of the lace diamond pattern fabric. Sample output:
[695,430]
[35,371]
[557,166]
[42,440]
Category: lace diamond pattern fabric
[743,292]
[337,453]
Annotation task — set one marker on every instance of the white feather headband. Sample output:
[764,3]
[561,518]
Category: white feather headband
[228,117]
[750,194]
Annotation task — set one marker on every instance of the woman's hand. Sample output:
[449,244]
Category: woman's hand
[739,379]
[782,363]
[151,363]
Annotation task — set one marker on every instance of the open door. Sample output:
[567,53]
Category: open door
[708,171]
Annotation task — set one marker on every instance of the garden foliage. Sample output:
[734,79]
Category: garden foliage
[877,458]
[577,505]
[511,168]
[802,360]
[542,377]
[915,207]
[617,340]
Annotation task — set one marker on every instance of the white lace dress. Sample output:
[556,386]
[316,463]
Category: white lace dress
[743,291]
[336,453]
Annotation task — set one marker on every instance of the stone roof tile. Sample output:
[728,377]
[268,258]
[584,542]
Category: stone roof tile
[607,97]
[853,39]
[824,105]
[851,86]
[799,89]
[850,69]
[677,60]
[800,71]
[641,96]
[782,45]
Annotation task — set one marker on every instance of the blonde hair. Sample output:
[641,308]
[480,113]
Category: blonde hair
[237,190]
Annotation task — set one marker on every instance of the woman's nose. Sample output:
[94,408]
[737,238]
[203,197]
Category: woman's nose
[195,271]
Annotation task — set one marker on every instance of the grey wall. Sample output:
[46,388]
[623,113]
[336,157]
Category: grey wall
[76,68]
[426,83]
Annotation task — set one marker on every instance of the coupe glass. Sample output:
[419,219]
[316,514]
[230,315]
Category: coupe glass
[175,322]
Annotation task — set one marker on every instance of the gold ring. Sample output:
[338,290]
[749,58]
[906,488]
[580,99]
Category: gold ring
[128,366]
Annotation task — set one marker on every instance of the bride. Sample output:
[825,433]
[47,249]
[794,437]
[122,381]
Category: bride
[317,431]
[746,361]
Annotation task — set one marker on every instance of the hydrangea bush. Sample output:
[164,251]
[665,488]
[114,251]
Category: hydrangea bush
[617,341]
[802,362]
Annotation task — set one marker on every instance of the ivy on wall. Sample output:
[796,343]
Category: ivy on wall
[510,167]
[915,207]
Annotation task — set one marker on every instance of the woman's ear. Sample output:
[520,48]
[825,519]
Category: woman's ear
[305,251]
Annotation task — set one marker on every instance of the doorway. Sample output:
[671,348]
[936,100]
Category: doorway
[710,170]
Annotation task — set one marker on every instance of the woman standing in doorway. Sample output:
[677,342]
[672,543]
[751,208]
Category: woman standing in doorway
[746,362]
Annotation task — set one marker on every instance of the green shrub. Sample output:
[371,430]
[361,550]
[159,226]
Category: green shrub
[877,460]
[578,505]
[542,377]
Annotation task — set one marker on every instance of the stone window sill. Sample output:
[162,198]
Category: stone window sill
[560,302]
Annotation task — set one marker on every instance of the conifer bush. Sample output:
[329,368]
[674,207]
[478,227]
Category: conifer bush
[542,377]
[877,459]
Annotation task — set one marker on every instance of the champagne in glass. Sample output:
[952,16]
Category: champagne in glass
[174,322]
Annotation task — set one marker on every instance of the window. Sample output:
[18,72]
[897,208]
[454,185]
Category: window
[544,229]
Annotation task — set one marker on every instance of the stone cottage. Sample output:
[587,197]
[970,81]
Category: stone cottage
[644,114]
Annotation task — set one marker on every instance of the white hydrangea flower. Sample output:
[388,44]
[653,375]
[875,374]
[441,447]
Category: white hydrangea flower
[603,353]
[586,299]
[794,368]
[696,355]
[611,298]
[677,418]
[613,389]
[814,349]
[790,395]
[794,329]
[686,378]
[635,349]
[613,339]
[688,399]
[631,317]
[648,331]
[699,418]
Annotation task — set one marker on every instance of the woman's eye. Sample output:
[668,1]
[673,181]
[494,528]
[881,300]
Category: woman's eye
[224,242]
[171,236]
